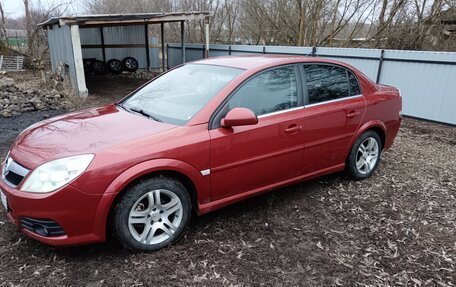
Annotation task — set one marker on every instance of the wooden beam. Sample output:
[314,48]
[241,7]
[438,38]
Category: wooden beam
[103,50]
[146,43]
[162,34]
[183,40]
[95,46]
[155,20]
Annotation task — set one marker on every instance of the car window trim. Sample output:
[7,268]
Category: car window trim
[299,90]
[280,112]
[333,101]
[306,91]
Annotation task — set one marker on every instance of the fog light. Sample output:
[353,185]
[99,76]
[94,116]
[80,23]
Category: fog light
[42,227]
[40,230]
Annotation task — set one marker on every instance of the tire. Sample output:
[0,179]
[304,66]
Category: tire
[135,216]
[115,66]
[364,156]
[87,66]
[98,67]
[130,64]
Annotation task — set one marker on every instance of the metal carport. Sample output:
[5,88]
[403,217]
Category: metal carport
[64,37]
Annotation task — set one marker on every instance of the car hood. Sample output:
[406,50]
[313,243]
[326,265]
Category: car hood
[83,132]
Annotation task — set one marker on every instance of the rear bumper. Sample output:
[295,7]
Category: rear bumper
[73,209]
[392,131]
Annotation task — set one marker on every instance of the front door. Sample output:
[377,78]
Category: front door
[248,158]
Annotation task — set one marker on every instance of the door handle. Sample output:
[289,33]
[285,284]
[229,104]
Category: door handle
[293,129]
[353,114]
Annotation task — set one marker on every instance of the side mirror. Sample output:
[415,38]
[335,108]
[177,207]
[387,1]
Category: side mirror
[239,117]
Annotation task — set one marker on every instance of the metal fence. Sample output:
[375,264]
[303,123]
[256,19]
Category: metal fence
[11,63]
[427,80]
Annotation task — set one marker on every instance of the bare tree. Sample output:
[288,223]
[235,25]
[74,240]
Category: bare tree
[367,23]
[302,20]
[28,25]
[2,14]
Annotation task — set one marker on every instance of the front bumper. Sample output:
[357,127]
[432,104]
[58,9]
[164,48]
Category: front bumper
[74,210]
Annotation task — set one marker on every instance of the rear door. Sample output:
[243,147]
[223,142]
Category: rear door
[334,108]
[248,158]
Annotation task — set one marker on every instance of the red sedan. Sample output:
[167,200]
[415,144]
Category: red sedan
[195,139]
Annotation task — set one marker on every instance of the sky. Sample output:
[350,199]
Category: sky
[15,8]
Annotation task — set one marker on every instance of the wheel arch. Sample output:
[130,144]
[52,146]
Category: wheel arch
[170,173]
[196,184]
[381,133]
[376,125]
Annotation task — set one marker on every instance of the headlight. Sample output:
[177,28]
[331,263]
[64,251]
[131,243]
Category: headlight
[55,174]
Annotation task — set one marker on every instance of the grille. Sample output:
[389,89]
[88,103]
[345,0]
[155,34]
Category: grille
[43,227]
[13,178]
[13,173]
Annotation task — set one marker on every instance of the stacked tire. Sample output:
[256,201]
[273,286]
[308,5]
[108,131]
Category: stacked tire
[93,66]
[130,64]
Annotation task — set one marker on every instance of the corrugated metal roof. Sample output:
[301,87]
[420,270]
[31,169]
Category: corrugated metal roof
[125,19]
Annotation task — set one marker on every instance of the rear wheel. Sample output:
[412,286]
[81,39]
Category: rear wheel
[152,214]
[364,156]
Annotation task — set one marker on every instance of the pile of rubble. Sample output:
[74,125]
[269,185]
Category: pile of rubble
[15,100]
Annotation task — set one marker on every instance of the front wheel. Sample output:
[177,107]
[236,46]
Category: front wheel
[152,214]
[364,156]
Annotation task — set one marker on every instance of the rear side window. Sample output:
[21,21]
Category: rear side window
[325,83]
[271,91]
[354,86]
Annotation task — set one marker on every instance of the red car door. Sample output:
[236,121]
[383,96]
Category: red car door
[334,108]
[247,158]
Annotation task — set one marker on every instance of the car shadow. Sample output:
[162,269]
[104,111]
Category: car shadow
[254,207]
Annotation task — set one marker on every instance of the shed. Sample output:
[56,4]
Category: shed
[106,36]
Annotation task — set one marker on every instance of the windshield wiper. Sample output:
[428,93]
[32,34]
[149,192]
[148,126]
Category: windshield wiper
[141,112]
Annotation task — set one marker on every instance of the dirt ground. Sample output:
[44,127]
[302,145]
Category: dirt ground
[397,228]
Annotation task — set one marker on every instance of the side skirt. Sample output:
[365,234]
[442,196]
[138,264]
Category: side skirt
[220,203]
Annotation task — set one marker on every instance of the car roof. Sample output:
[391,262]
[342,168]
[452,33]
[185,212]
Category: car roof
[248,62]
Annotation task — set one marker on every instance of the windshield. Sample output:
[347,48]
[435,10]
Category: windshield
[179,94]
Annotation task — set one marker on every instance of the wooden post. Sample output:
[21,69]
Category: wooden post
[162,32]
[103,44]
[146,36]
[183,40]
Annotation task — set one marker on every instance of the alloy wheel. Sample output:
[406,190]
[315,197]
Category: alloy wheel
[131,64]
[367,155]
[155,216]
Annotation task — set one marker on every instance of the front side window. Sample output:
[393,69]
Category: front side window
[179,94]
[325,83]
[271,91]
